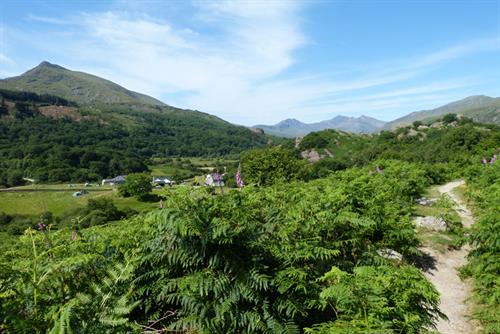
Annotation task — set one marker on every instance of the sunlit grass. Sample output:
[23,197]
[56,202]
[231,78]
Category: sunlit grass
[57,202]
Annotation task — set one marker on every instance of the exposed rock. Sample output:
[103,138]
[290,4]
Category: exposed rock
[257,130]
[311,155]
[430,223]
[426,201]
[390,254]
[437,125]
[297,141]
[412,133]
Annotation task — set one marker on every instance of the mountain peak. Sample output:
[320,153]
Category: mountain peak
[289,121]
[44,65]
[291,127]
[79,87]
[47,64]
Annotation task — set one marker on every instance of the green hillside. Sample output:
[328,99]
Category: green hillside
[58,141]
[480,108]
[446,140]
[75,86]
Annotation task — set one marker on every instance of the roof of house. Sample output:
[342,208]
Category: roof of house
[119,178]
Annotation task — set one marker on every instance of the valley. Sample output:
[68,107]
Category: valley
[121,214]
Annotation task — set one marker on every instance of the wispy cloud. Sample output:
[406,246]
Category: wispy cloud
[5,59]
[46,19]
[236,60]
[458,51]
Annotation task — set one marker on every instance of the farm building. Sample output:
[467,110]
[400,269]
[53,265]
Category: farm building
[162,181]
[115,181]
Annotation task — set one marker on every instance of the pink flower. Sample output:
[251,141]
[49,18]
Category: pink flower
[239,180]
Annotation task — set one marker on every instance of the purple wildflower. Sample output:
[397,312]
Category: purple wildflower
[239,181]
[484,161]
[379,171]
[493,159]
[42,226]
[217,177]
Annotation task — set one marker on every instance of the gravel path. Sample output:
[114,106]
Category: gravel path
[444,275]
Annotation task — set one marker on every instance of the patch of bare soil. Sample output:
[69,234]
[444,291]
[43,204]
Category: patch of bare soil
[58,112]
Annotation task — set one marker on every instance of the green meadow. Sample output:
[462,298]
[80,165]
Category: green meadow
[59,198]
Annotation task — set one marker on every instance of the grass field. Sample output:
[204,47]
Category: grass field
[168,170]
[59,198]
[186,168]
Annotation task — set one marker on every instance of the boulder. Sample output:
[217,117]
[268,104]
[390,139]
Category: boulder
[390,254]
[426,201]
[431,223]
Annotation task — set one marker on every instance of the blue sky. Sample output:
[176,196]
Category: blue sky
[254,62]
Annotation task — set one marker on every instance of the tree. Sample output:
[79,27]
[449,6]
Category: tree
[15,178]
[450,118]
[138,185]
[271,165]
[416,124]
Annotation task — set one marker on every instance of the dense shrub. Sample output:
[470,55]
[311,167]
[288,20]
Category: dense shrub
[270,166]
[484,259]
[260,260]
[252,260]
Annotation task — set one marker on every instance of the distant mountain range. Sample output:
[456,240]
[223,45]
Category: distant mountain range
[480,108]
[88,89]
[79,87]
[294,128]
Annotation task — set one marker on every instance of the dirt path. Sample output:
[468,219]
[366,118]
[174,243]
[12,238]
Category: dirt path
[463,212]
[444,275]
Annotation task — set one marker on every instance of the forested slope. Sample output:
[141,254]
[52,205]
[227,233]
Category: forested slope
[50,139]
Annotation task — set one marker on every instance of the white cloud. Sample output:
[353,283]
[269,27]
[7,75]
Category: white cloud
[46,19]
[233,59]
[5,59]
[254,43]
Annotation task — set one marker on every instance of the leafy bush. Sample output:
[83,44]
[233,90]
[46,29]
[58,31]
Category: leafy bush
[251,261]
[260,260]
[61,282]
[377,300]
[271,165]
[136,184]
[484,259]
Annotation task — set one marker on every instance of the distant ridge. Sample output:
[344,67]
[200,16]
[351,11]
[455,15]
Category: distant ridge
[80,87]
[480,108]
[294,128]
